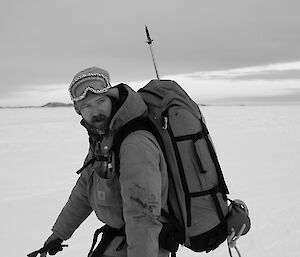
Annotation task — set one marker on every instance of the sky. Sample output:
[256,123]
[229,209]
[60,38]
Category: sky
[206,44]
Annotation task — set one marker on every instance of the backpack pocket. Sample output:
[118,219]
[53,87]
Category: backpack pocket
[184,129]
[208,173]
[198,173]
[209,240]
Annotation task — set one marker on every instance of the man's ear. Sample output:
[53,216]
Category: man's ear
[76,108]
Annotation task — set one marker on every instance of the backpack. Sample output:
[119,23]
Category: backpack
[198,214]
[197,201]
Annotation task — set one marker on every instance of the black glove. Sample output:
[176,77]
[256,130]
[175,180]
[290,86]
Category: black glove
[55,246]
[52,246]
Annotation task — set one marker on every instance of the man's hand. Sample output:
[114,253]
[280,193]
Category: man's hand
[53,244]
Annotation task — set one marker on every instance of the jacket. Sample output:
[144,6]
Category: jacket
[133,198]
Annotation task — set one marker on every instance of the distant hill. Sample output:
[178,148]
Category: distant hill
[57,104]
[48,105]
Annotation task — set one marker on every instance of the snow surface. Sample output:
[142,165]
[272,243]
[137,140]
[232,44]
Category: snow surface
[258,147]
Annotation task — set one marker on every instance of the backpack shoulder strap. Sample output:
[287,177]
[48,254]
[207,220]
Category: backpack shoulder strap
[141,123]
[134,125]
[174,225]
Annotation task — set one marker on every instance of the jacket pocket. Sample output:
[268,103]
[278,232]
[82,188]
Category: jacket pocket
[106,200]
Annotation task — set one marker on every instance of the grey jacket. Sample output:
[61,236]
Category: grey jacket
[134,198]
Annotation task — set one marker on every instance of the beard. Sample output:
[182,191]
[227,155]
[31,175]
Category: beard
[99,122]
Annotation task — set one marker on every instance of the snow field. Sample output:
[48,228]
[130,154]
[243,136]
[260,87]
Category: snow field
[258,148]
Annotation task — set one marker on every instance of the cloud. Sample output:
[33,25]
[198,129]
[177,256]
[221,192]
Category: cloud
[290,70]
[248,83]
[261,82]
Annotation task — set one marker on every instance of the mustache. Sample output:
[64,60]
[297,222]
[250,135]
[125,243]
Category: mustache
[99,117]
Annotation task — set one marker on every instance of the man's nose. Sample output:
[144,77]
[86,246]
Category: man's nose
[96,110]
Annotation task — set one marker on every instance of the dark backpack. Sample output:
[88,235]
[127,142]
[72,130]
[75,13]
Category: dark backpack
[197,200]
[198,214]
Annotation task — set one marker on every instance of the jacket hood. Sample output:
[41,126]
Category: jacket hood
[131,106]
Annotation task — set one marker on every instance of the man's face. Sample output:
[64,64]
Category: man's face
[96,110]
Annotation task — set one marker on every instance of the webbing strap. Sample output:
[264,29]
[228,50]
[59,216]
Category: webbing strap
[219,209]
[100,158]
[215,160]
[95,237]
[173,220]
[214,190]
[139,123]
[193,137]
[108,235]
[85,165]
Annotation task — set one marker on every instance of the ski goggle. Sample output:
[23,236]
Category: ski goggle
[96,83]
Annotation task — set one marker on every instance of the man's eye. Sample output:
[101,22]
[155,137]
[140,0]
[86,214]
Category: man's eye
[84,106]
[100,100]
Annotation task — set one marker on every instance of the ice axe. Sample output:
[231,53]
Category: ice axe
[149,42]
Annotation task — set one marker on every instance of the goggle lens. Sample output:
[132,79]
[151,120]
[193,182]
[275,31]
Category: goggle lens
[79,89]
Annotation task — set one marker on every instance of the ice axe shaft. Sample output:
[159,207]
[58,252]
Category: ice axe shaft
[149,42]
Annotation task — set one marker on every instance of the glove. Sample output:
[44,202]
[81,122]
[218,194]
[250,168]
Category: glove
[53,245]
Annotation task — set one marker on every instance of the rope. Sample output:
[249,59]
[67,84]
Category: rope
[237,250]
[232,239]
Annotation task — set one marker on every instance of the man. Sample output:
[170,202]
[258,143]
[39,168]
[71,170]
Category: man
[133,195]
